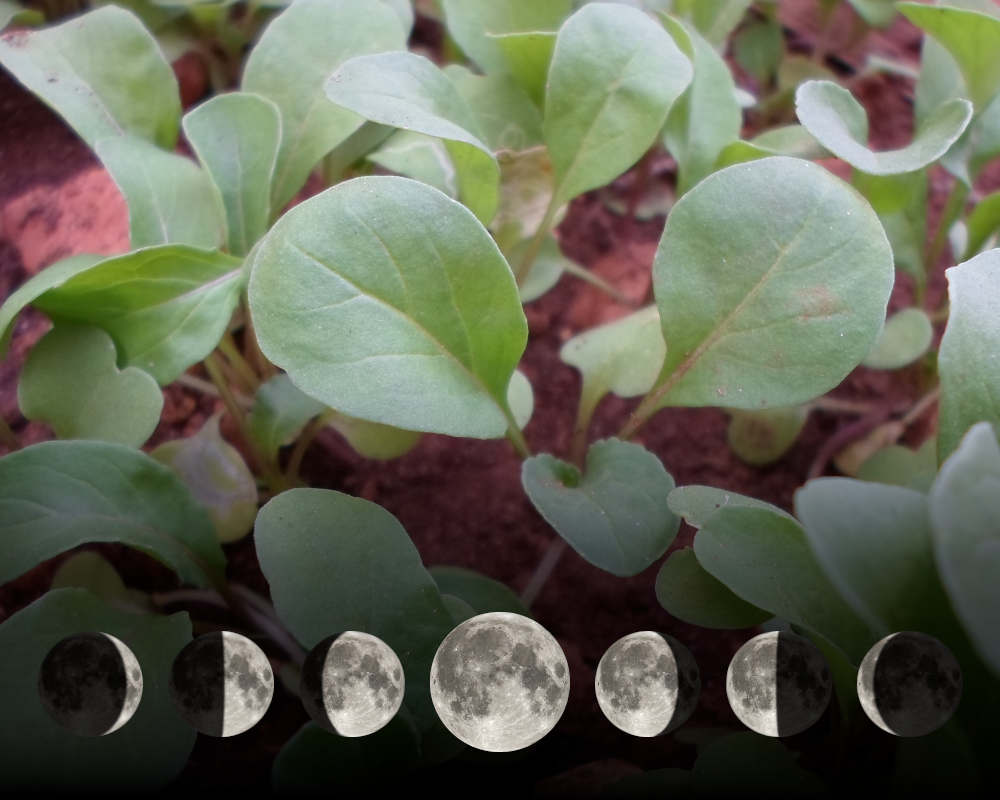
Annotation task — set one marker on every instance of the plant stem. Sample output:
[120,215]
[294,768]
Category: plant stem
[952,208]
[302,445]
[921,406]
[841,406]
[594,280]
[516,438]
[232,353]
[8,437]
[535,245]
[584,413]
[543,571]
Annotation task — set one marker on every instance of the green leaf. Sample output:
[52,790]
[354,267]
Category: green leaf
[697,504]
[89,570]
[407,91]
[765,558]
[14,13]
[279,413]
[502,110]
[57,495]
[964,508]
[754,765]
[969,354]
[526,57]
[707,116]
[546,270]
[759,48]
[787,140]
[905,338]
[372,439]
[70,381]
[482,593]
[335,562]
[874,542]
[624,357]
[520,398]
[691,594]
[614,75]
[878,13]
[218,478]
[839,122]
[102,72]
[165,307]
[236,137]
[901,204]
[714,19]
[764,301]
[762,437]
[388,301]
[423,158]
[35,287]
[615,514]
[144,756]
[471,23]
[900,466]
[525,193]
[972,39]
[983,224]
[171,200]
[292,61]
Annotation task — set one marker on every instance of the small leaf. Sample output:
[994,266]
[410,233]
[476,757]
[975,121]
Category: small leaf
[788,140]
[983,224]
[765,558]
[964,508]
[13,13]
[236,137]
[292,61]
[714,19]
[372,439]
[525,194]
[218,478]
[70,381]
[546,270]
[102,72]
[503,111]
[423,158]
[91,571]
[969,355]
[697,504]
[482,593]
[280,412]
[759,48]
[972,38]
[165,307]
[901,204]
[762,437]
[389,302]
[526,56]
[900,466]
[520,398]
[691,594]
[613,77]
[905,338]
[763,301]
[57,495]
[615,515]
[877,13]
[150,750]
[851,457]
[840,124]
[425,101]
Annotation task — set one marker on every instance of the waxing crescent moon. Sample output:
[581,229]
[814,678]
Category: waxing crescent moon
[778,684]
[647,684]
[90,683]
[909,684]
[499,681]
[221,683]
[352,684]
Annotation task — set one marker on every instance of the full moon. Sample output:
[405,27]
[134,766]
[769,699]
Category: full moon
[499,682]
[909,684]
[90,683]
[778,684]
[221,684]
[647,683]
[352,684]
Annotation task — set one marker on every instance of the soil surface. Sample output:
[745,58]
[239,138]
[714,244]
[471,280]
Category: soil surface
[461,500]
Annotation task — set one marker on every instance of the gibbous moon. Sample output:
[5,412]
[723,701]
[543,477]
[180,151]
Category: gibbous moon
[90,683]
[647,683]
[499,681]
[221,683]
[352,684]
[909,684]
[778,684]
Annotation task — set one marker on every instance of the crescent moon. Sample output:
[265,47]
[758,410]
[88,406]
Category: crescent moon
[90,683]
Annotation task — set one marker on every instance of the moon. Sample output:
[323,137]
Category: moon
[221,684]
[352,684]
[778,684]
[647,684]
[499,681]
[90,683]
[909,684]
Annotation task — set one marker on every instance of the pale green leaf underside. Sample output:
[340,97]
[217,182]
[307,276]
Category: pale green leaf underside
[70,380]
[615,515]
[613,77]
[905,337]
[373,439]
[504,114]
[57,495]
[388,301]
[407,91]
[764,300]
[279,412]
[165,307]
[839,122]
[969,355]
[144,756]
[423,158]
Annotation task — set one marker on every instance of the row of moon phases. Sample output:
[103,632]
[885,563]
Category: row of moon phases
[500,682]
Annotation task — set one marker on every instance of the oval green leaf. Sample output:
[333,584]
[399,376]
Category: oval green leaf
[279,413]
[388,301]
[697,504]
[762,437]
[905,338]
[372,439]
[482,593]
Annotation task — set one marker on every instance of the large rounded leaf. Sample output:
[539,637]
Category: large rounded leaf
[388,301]
[772,279]
[57,495]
